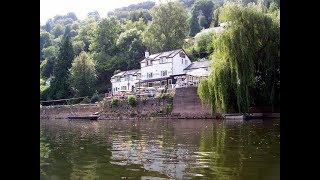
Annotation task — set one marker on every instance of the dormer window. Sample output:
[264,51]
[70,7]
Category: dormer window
[149,62]
[182,55]
[162,59]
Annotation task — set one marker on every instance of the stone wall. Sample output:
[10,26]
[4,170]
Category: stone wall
[63,111]
[187,104]
[151,107]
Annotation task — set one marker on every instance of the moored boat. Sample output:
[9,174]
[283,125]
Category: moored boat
[88,117]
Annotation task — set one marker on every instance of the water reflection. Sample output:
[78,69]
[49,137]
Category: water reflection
[169,149]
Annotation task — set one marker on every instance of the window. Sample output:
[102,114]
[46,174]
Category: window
[164,73]
[162,60]
[150,84]
[118,79]
[170,81]
[181,61]
[126,78]
[163,83]
[185,62]
[123,87]
[149,62]
[149,75]
[156,84]
[182,55]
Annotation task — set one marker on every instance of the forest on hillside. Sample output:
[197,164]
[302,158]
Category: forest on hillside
[80,56]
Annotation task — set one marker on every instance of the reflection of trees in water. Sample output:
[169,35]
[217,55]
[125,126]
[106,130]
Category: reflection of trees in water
[44,154]
[69,145]
[238,150]
[161,148]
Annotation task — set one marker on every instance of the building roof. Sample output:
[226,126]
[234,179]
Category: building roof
[167,54]
[129,72]
[132,72]
[198,64]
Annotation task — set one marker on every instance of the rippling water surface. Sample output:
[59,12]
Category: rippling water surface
[159,149]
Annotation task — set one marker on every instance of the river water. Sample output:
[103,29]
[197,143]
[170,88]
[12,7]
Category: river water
[160,149]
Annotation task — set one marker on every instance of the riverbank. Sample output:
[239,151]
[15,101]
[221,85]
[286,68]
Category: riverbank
[185,104]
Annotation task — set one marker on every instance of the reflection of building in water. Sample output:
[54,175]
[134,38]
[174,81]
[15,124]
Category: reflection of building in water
[150,153]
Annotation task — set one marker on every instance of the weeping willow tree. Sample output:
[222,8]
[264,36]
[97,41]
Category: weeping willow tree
[245,65]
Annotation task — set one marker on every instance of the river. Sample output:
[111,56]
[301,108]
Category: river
[160,149]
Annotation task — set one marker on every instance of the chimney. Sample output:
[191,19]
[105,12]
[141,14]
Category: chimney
[146,54]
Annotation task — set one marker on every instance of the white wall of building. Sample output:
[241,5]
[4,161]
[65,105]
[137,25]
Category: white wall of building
[156,69]
[180,63]
[117,86]
[173,66]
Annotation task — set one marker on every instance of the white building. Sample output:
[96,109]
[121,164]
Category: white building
[125,80]
[159,70]
[202,65]
[195,71]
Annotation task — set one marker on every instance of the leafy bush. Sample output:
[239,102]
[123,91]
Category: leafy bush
[169,108]
[169,99]
[144,100]
[114,102]
[167,96]
[95,97]
[86,100]
[132,101]
[44,92]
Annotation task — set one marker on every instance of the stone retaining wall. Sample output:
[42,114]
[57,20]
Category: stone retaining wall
[151,107]
[186,104]
[63,111]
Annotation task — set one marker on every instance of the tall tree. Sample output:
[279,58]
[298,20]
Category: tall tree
[246,62]
[131,47]
[45,41]
[46,67]
[104,50]
[168,28]
[59,87]
[204,9]
[83,75]
[81,41]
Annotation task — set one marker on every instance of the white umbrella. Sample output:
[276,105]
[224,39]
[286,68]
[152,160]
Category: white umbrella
[198,72]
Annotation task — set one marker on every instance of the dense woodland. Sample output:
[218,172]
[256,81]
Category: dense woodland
[80,56]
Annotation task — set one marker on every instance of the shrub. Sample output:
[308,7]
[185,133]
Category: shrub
[95,97]
[169,99]
[44,92]
[132,101]
[144,100]
[85,100]
[114,102]
[167,96]
[77,101]
[169,108]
